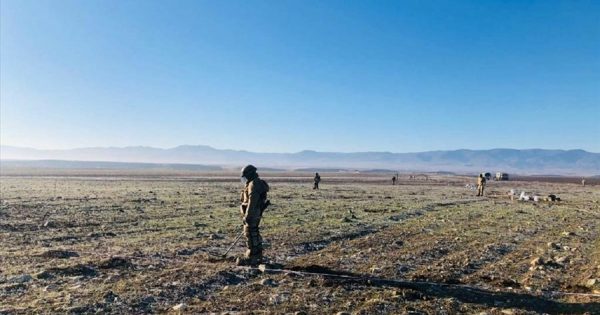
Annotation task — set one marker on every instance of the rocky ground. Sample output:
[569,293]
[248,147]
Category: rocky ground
[135,244]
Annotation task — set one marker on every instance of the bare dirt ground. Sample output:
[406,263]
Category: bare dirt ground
[137,243]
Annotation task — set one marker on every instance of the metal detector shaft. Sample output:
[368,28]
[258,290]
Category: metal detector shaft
[234,242]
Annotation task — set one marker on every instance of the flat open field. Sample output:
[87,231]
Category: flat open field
[135,243]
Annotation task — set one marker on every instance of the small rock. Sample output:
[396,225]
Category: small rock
[147,301]
[562,260]
[21,279]
[179,307]
[300,313]
[44,275]
[591,283]
[214,237]
[398,243]
[262,268]
[342,313]
[403,269]
[51,287]
[268,282]
[110,297]
[567,233]
[185,252]
[279,298]
[538,261]
[553,245]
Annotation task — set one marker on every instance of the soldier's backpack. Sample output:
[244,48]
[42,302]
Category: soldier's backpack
[263,197]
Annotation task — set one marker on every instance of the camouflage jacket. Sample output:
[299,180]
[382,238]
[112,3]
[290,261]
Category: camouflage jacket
[253,198]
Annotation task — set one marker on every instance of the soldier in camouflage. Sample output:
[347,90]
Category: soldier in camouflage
[254,202]
[480,185]
[317,180]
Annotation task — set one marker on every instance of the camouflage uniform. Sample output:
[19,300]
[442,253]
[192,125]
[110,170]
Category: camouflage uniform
[253,198]
[480,185]
[317,180]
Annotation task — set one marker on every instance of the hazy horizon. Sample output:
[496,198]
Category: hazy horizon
[284,152]
[536,161]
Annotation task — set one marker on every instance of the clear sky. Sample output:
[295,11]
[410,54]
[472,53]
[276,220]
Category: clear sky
[283,76]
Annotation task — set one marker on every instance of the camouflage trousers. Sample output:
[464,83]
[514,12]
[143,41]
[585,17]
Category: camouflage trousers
[253,238]
[480,190]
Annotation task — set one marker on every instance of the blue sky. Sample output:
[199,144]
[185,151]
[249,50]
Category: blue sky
[283,76]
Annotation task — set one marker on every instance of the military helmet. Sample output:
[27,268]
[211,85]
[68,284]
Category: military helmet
[248,170]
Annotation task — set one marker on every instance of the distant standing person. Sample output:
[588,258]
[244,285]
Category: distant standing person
[394,180]
[583,182]
[317,180]
[480,185]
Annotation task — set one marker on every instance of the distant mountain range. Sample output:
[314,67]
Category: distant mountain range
[530,161]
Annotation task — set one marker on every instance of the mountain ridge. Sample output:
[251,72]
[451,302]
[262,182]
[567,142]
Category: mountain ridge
[526,161]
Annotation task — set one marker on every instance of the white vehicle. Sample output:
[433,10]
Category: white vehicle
[501,176]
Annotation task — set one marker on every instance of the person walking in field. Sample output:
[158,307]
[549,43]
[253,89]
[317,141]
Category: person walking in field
[394,180]
[583,182]
[480,185]
[317,180]
[254,202]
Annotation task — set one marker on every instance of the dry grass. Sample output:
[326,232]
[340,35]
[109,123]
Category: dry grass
[169,230]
